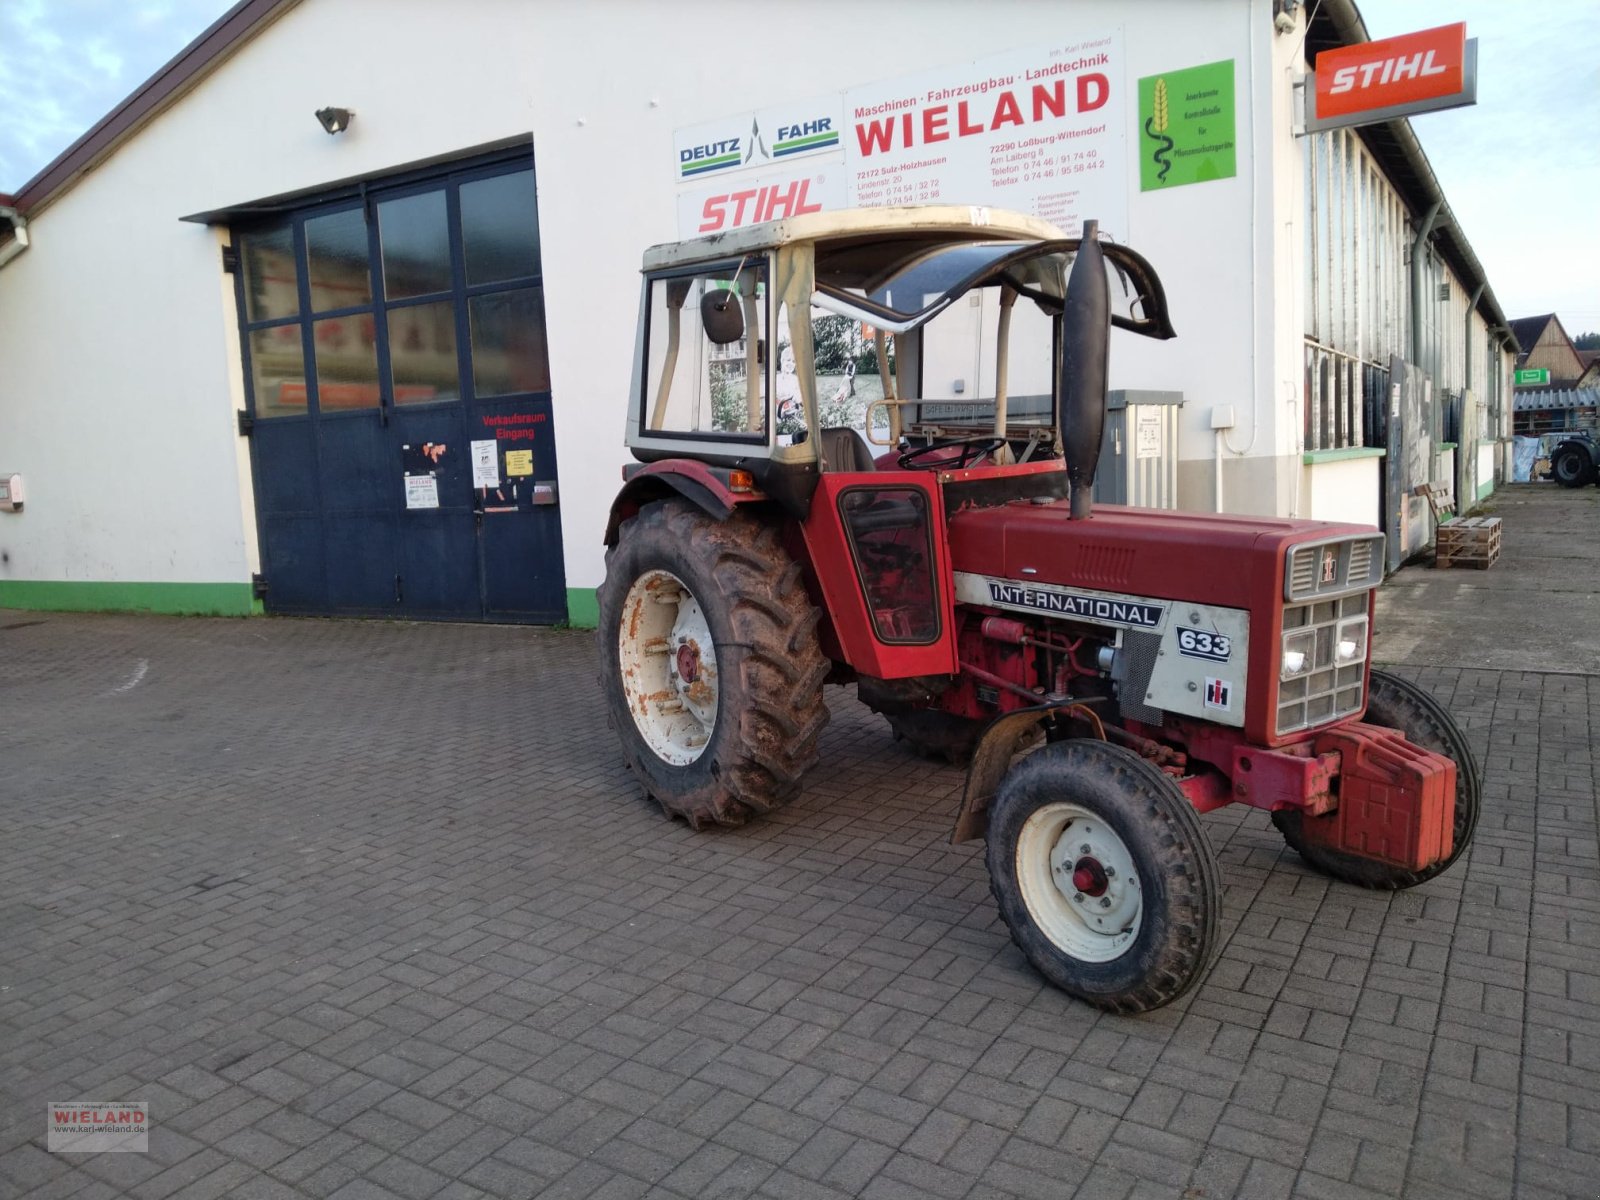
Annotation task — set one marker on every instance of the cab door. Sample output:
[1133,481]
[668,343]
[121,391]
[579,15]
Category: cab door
[880,550]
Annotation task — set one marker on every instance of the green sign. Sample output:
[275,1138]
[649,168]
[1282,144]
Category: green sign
[1532,377]
[1186,127]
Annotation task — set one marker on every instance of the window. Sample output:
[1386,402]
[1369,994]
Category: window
[425,294]
[889,535]
[707,357]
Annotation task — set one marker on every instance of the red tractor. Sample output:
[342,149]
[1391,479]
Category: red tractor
[1107,674]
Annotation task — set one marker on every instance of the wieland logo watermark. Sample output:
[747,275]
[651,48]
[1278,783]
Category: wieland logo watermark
[90,1127]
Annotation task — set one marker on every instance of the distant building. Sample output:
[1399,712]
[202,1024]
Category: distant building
[1546,346]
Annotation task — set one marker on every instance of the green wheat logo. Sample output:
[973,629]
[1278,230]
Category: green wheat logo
[1155,128]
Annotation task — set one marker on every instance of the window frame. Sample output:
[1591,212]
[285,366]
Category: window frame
[731,266]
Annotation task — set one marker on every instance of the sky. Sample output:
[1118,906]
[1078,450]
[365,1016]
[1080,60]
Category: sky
[1519,169]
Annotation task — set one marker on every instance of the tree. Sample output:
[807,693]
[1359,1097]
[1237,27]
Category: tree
[1587,341]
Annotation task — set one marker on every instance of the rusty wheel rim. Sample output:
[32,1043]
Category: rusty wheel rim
[669,667]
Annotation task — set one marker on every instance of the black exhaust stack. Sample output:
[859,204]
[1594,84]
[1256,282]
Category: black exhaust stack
[1085,338]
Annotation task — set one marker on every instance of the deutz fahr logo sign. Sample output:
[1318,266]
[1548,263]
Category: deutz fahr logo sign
[757,140]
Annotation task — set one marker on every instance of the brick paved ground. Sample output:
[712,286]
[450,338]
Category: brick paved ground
[366,910]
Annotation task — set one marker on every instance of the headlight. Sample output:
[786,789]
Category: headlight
[1351,644]
[1298,649]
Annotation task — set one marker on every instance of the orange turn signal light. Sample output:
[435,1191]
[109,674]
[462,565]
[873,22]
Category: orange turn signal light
[741,481]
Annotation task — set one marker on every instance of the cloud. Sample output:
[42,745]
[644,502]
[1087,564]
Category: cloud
[67,63]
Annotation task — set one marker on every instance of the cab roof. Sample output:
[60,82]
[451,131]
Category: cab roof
[961,222]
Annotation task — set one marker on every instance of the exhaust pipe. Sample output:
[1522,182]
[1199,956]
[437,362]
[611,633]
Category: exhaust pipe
[1085,339]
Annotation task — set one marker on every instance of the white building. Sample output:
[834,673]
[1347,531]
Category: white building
[245,362]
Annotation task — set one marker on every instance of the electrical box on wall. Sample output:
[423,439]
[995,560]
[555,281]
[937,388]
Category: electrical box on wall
[1139,449]
[11,490]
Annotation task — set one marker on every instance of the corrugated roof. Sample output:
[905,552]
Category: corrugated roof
[1547,399]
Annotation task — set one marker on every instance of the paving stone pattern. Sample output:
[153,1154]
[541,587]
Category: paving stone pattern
[365,910]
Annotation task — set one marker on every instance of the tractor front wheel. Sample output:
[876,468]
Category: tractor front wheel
[709,662]
[1103,875]
[1397,703]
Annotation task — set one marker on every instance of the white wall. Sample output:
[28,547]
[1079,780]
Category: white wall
[116,362]
[1344,489]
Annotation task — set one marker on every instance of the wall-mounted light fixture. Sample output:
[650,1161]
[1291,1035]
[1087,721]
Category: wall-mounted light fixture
[335,120]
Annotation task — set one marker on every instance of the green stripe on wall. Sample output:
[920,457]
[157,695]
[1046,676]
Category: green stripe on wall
[583,608]
[201,599]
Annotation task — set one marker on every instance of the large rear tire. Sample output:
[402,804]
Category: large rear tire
[1398,703]
[1103,875]
[709,662]
[1572,468]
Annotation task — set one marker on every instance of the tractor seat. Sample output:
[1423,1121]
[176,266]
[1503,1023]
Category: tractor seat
[845,451]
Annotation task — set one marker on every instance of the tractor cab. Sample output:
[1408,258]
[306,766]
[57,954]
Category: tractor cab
[927,338]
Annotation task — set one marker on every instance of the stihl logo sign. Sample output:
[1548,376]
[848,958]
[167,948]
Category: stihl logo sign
[1416,72]
[751,206]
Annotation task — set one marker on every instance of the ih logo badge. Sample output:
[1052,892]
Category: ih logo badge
[1330,565]
[1219,693]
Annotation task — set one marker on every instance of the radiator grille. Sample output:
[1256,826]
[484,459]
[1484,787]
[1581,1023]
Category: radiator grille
[1333,567]
[1326,692]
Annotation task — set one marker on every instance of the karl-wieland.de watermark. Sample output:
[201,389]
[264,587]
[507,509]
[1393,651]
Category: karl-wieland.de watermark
[89,1127]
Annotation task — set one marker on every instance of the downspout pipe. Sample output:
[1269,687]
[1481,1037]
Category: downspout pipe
[1419,246]
[19,234]
[1466,333]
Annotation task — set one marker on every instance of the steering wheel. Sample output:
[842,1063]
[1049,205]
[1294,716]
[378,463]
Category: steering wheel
[964,452]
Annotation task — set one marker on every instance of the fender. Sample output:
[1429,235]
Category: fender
[991,759]
[711,489]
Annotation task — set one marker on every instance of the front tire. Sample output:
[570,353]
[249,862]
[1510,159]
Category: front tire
[1398,703]
[709,662]
[1103,875]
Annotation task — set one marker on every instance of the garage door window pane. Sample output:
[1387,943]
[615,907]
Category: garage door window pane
[422,353]
[269,277]
[336,254]
[499,227]
[508,346]
[416,245]
[278,371]
[347,362]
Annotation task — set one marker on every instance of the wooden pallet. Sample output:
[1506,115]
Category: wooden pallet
[1468,542]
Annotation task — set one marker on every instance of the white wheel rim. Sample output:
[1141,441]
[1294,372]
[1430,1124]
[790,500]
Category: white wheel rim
[1062,847]
[669,667]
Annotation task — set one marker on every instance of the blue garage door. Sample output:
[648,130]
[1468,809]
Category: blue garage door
[399,402]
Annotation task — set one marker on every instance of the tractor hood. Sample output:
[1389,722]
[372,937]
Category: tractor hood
[1208,558]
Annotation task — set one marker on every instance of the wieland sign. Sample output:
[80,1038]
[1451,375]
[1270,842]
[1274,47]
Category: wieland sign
[1397,77]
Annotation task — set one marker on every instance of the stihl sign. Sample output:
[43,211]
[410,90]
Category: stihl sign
[1397,77]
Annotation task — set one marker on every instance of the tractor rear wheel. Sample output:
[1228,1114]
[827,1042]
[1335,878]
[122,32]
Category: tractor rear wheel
[1103,875]
[709,662]
[1397,703]
[941,736]
[1572,468]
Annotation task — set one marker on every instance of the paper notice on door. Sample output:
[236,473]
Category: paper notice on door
[485,465]
[422,491]
[519,462]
